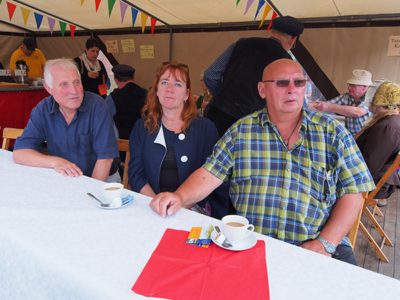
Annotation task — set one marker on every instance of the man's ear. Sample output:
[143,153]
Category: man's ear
[46,86]
[261,89]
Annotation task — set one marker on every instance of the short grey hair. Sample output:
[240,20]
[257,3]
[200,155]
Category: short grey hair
[65,63]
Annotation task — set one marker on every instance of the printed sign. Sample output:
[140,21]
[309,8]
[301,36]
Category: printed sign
[147,51]
[394,45]
[128,46]
[112,46]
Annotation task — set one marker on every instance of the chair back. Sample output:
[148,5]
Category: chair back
[10,134]
[123,146]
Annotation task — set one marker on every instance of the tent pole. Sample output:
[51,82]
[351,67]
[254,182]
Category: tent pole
[170,43]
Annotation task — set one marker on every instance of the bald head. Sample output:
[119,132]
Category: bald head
[279,65]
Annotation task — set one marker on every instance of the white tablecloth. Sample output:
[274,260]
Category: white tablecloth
[55,243]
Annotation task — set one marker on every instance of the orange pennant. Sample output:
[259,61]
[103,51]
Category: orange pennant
[267,9]
[11,9]
[144,20]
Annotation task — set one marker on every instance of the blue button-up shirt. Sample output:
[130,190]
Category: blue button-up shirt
[86,139]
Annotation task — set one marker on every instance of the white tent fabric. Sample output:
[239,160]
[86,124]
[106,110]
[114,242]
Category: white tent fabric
[178,12]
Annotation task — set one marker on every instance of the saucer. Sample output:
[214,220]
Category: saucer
[249,242]
[128,199]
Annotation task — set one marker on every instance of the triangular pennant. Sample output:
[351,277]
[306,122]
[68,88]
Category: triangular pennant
[265,13]
[63,26]
[237,2]
[144,17]
[11,9]
[274,15]
[153,22]
[122,8]
[72,29]
[110,6]
[25,14]
[260,4]
[97,2]
[51,22]
[249,3]
[38,18]
[134,15]
[82,2]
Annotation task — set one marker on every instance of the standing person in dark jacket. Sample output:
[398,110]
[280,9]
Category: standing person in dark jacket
[379,140]
[233,77]
[92,70]
[125,102]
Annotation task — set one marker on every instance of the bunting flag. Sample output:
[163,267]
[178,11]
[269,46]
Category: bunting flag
[63,26]
[11,9]
[274,15]
[122,8]
[260,4]
[82,2]
[51,22]
[38,18]
[144,17]
[25,14]
[267,9]
[110,7]
[97,2]
[249,3]
[153,22]
[72,29]
[237,2]
[134,15]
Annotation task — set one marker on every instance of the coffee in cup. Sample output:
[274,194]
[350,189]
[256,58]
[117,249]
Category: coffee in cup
[112,191]
[236,228]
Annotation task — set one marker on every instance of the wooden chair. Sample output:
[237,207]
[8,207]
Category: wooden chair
[10,134]
[369,209]
[123,146]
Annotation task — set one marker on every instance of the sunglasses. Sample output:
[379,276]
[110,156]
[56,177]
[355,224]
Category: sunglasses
[282,83]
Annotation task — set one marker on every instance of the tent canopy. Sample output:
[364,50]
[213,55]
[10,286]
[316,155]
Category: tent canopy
[24,16]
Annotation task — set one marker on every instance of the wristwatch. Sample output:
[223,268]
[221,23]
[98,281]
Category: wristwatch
[329,247]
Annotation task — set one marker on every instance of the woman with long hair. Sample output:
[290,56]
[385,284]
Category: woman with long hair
[379,140]
[170,141]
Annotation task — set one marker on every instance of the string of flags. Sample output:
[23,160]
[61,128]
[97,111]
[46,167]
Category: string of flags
[123,7]
[51,21]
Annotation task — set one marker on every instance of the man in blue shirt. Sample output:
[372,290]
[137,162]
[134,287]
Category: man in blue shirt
[75,125]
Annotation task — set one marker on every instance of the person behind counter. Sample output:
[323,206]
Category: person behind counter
[92,70]
[29,58]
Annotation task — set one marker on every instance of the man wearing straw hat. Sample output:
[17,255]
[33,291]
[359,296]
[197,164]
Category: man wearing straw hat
[352,105]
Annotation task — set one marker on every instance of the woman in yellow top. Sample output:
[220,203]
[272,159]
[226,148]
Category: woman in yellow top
[29,58]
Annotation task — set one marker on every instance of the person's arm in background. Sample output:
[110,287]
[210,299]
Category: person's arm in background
[344,110]
[42,59]
[214,73]
[13,60]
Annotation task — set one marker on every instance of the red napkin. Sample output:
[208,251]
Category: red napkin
[103,87]
[177,270]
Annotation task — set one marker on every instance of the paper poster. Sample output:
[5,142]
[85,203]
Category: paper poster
[128,46]
[394,45]
[147,51]
[112,46]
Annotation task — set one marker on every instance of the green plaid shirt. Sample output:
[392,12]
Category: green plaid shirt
[289,195]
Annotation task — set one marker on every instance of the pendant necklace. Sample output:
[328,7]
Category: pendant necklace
[287,140]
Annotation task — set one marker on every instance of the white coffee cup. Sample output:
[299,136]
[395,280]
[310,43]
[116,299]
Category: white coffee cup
[112,191]
[236,228]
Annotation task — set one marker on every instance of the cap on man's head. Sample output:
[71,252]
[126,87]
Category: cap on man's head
[288,25]
[29,44]
[123,70]
[360,77]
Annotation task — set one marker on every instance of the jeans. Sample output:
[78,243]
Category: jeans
[346,254]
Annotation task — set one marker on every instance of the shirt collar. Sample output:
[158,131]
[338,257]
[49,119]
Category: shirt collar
[54,105]
[264,117]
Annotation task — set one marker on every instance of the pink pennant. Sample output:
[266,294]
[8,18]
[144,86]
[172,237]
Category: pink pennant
[122,8]
[248,5]
[153,22]
[11,9]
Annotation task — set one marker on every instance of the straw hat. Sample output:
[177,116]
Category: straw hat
[360,77]
[387,94]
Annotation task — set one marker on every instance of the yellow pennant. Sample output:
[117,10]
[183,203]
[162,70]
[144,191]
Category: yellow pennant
[266,11]
[82,2]
[144,20]
[25,14]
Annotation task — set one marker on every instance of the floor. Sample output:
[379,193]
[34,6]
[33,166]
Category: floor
[367,258]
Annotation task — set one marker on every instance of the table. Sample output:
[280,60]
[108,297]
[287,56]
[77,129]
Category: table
[55,243]
[16,104]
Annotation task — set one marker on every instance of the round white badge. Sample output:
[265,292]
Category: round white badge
[181,136]
[184,158]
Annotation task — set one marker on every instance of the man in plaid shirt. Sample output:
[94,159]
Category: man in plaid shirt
[296,175]
[351,105]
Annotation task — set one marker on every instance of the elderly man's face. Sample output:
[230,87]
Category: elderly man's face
[357,91]
[283,87]
[66,89]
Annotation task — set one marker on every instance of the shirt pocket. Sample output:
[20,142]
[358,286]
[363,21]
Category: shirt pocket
[323,185]
[85,144]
